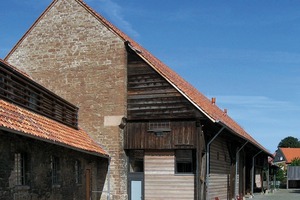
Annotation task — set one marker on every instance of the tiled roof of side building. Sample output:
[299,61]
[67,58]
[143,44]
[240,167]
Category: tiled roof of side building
[290,153]
[185,88]
[24,122]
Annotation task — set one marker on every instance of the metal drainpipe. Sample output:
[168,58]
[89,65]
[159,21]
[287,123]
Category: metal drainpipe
[252,171]
[207,160]
[236,168]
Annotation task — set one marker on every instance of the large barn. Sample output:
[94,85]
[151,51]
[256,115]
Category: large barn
[165,138]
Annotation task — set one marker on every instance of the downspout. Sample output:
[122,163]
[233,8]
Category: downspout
[208,159]
[237,159]
[252,170]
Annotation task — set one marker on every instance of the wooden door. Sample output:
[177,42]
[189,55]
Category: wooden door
[88,184]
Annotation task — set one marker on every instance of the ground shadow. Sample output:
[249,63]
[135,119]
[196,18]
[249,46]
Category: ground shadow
[295,191]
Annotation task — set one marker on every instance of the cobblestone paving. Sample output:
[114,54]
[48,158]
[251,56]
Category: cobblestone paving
[281,194]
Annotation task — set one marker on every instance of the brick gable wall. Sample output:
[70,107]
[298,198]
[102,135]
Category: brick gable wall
[74,55]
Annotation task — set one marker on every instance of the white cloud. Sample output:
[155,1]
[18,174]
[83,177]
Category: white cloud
[258,110]
[243,55]
[255,102]
[267,120]
[114,12]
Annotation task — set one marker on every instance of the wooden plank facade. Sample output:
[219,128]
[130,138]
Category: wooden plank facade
[160,180]
[151,97]
[160,121]
[171,135]
[220,165]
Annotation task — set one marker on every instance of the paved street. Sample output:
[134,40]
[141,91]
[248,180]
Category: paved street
[281,194]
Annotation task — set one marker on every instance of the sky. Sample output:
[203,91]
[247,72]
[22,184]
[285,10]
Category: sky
[246,53]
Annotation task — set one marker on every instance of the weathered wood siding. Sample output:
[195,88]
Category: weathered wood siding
[150,96]
[219,177]
[181,135]
[161,182]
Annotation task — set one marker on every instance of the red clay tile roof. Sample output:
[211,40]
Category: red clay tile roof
[290,154]
[185,88]
[24,122]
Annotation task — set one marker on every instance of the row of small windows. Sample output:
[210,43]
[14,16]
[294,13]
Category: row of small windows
[18,90]
[22,170]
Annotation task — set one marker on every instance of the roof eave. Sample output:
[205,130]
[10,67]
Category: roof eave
[54,142]
[239,135]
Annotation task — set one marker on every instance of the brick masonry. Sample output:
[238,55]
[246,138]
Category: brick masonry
[73,54]
[38,184]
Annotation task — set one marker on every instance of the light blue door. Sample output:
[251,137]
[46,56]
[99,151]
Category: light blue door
[136,190]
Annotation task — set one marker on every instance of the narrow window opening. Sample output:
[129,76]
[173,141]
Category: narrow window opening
[184,161]
[136,161]
[78,172]
[55,167]
[21,169]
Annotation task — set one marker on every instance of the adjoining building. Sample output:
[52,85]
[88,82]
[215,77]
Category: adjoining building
[43,152]
[283,159]
[165,138]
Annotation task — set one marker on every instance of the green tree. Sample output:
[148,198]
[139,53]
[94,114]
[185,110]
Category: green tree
[295,162]
[280,175]
[289,142]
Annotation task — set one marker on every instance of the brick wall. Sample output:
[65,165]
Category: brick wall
[74,55]
[38,180]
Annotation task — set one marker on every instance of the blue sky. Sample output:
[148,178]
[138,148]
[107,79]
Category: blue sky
[244,53]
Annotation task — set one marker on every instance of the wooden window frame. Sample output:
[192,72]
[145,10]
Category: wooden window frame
[185,161]
[137,161]
[55,170]
[21,169]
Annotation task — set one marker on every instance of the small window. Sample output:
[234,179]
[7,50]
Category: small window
[78,172]
[184,161]
[136,161]
[21,169]
[55,167]
[33,100]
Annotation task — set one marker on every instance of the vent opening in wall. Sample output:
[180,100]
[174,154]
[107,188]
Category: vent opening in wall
[159,128]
